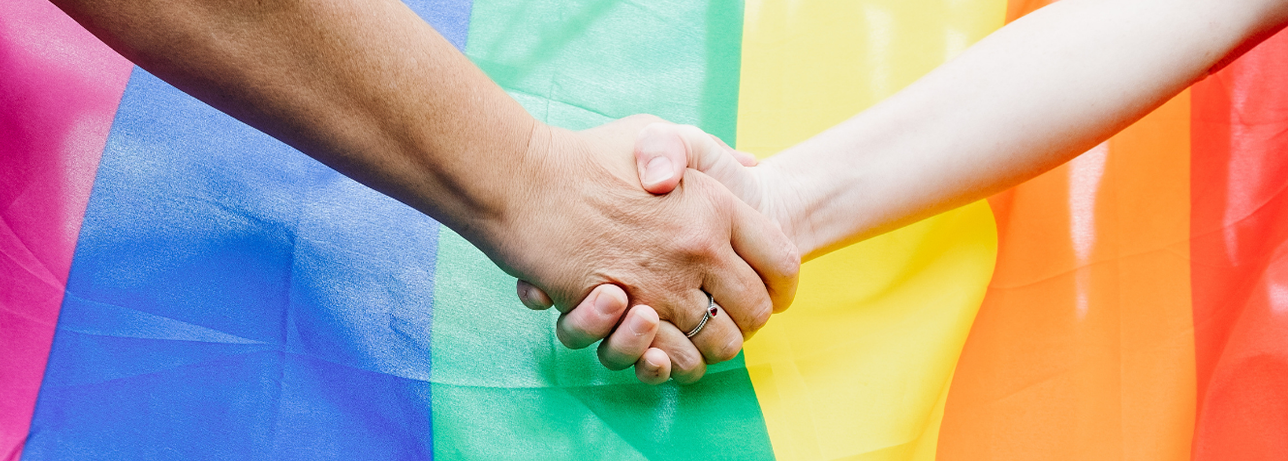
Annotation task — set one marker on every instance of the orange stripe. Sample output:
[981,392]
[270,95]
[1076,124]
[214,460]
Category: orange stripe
[1017,8]
[1083,348]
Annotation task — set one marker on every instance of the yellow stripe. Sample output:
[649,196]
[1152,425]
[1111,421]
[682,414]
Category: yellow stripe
[859,367]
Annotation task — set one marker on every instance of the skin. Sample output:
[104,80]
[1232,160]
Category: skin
[1026,99]
[370,89]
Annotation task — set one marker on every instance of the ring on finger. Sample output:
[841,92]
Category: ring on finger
[711,312]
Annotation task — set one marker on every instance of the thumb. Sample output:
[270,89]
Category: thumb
[661,157]
[663,150]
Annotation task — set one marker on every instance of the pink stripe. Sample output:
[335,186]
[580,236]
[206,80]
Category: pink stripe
[59,88]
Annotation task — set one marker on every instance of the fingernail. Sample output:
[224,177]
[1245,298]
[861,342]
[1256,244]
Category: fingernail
[658,170]
[605,304]
[638,326]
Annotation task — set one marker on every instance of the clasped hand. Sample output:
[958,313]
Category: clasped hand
[657,250]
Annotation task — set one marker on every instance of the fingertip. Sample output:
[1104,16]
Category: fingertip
[646,318]
[654,367]
[532,297]
[783,288]
[628,343]
[761,243]
[660,157]
[610,301]
[593,319]
[572,337]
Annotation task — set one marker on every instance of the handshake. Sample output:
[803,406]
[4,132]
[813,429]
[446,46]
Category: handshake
[658,238]
[673,275]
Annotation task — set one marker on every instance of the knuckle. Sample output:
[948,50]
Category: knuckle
[760,316]
[685,361]
[729,350]
[789,264]
[697,244]
[648,375]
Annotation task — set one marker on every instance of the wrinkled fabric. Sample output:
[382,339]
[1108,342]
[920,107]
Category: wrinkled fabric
[1239,245]
[231,298]
[500,374]
[177,285]
[860,365]
[1135,312]
[59,87]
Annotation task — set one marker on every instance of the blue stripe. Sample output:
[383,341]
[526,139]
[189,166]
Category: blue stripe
[231,298]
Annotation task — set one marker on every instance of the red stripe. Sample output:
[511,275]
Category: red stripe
[60,87]
[1239,247]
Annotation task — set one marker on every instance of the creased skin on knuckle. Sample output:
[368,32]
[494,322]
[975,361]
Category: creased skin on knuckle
[729,350]
[696,245]
[686,360]
[760,317]
[790,262]
[655,247]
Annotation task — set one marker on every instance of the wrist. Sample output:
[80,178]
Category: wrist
[816,207]
[783,198]
[510,182]
[477,190]
[521,206]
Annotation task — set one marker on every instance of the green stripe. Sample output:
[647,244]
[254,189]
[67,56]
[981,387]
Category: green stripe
[503,386]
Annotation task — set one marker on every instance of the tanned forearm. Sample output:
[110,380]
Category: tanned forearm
[367,88]
[370,89]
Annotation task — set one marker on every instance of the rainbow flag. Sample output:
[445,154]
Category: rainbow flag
[177,285]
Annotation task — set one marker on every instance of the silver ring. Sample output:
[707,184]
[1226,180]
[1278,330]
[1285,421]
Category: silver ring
[711,312]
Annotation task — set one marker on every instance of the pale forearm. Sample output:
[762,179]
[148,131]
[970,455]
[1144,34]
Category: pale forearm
[1022,101]
[365,87]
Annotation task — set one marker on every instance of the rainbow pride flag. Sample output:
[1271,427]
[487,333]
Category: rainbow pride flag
[177,285]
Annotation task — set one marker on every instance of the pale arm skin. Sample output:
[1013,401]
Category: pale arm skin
[370,89]
[1029,97]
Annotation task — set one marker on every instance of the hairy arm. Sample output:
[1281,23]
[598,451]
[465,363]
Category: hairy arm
[368,88]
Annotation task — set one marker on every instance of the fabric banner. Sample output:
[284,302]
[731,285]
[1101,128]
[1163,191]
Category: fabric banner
[178,285]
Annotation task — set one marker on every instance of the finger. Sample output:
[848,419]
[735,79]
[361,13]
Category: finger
[741,293]
[774,257]
[712,157]
[654,367]
[660,157]
[687,365]
[627,344]
[593,319]
[664,148]
[532,297]
[714,332]
[742,157]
